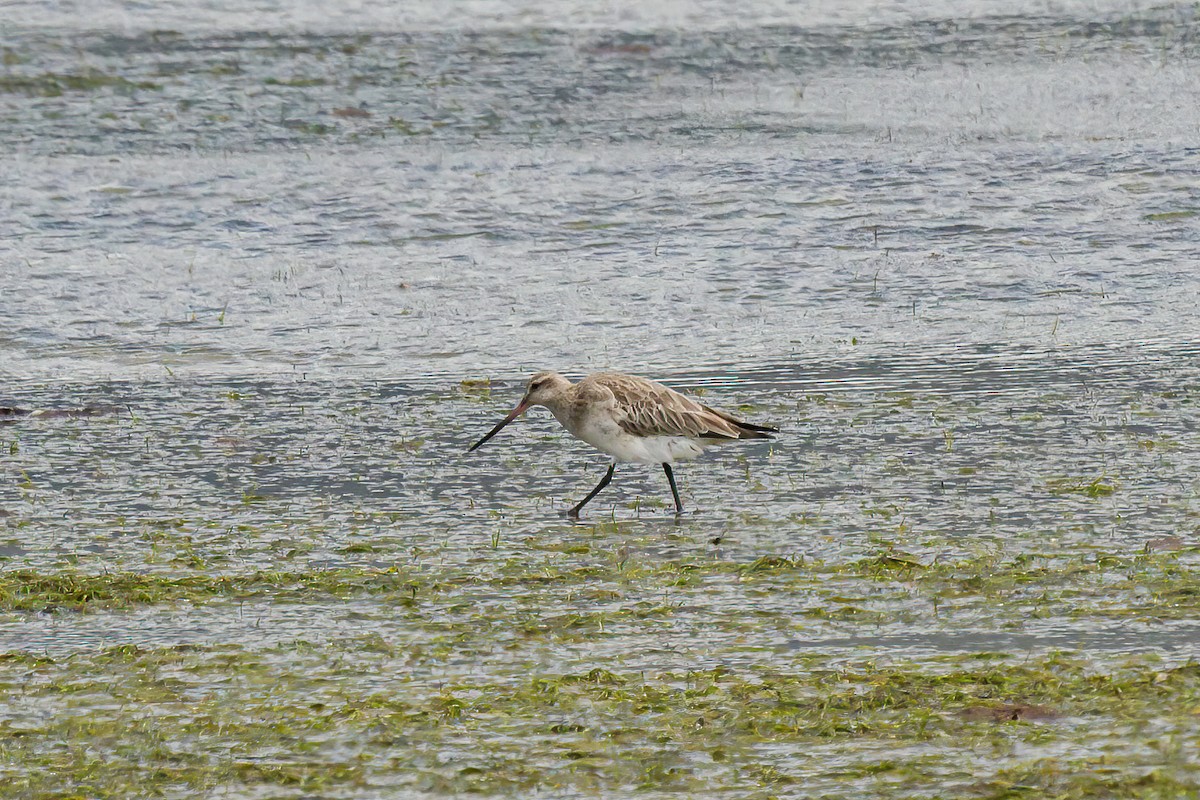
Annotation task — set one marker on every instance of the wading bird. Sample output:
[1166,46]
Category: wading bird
[631,419]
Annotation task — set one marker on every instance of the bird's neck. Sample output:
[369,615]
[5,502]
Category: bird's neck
[562,408]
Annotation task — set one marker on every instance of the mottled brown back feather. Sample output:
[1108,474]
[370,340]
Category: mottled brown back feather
[646,408]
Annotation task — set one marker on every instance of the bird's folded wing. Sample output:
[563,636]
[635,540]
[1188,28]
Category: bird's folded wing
[651,418]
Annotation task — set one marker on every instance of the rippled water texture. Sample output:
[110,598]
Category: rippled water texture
[302,257]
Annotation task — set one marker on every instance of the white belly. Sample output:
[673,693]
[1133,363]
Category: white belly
[623,446]
[602,433]
[654,449]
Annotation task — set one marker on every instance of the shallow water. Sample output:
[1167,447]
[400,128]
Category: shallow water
[950,253]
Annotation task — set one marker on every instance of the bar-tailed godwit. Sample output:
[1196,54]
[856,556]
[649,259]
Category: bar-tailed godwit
[631,419]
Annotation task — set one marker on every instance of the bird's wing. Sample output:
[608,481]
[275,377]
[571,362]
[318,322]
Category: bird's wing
[646,408]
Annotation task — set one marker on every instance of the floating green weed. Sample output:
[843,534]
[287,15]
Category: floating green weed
[340,718]
[1152,582]
[1100,486]
[295,83]
[54,84]
[1170,216]
[29,590]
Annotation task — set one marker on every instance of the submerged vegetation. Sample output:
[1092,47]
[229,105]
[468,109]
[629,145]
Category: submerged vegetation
[352,716]
[53,84]
[1148,585]
[445,690]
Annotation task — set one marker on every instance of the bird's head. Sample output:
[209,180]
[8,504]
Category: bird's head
[542,390]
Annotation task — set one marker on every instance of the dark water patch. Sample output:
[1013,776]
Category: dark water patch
[12,414]
[984,369]
[552,84]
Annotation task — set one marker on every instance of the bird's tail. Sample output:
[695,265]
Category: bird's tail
[746,430]
[751,431]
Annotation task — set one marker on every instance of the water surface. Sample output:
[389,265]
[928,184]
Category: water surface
[949,251]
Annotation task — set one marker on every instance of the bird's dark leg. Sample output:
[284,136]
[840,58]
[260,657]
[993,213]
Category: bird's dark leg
[574,512]
[674,491]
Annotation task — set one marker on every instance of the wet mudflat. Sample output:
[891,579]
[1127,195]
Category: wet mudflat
[302,267]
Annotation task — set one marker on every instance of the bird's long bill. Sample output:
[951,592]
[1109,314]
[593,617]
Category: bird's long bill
[521,408]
